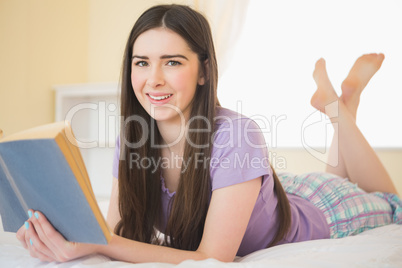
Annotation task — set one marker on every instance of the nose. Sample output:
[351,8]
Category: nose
[156,77]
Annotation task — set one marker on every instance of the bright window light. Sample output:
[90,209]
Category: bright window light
[270,73]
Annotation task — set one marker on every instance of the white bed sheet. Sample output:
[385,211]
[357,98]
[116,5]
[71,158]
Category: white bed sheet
[380,247]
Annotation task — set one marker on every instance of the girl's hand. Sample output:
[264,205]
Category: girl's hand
[45,243]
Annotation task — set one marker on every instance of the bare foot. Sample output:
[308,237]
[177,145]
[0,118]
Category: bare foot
[325,93]
[363,69]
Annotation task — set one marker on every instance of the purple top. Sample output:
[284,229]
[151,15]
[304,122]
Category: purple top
[240,154]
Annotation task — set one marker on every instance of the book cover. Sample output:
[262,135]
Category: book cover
[42,169]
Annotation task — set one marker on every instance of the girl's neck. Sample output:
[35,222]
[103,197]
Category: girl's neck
[173,135]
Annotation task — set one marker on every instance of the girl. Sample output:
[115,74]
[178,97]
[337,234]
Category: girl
[199,173]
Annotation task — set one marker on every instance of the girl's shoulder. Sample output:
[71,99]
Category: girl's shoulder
[225,115]
[237,130]
[239,150]
[233,121]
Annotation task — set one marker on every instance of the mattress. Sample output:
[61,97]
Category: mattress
[380,247]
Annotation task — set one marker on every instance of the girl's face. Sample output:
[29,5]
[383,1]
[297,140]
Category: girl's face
[165,73]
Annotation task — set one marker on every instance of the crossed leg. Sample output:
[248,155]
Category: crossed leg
[362,71]
[358,160]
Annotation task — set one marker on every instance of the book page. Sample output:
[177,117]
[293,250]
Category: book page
[41,132]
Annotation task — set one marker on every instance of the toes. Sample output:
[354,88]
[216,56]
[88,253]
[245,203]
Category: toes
[380,59]
[372,58]
[320,74]
[381,56]
[319,66]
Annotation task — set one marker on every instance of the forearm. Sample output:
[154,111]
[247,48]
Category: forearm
[127,250]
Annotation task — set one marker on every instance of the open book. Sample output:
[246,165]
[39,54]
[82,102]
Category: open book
[42,169]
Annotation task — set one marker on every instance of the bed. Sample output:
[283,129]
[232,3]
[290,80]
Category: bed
[380,247]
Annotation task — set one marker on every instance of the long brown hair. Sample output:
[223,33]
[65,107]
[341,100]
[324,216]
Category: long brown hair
[140,188]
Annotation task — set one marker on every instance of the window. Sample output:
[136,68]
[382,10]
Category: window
[270,74]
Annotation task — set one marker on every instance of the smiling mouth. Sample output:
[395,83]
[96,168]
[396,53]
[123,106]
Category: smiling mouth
[158,98]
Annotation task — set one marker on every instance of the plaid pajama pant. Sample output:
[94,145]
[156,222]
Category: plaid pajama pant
[348,209]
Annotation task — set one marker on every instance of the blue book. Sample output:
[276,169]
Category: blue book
[42,169]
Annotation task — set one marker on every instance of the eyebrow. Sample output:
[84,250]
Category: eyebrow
[162,57]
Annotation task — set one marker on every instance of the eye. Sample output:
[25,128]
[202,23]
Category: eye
[141,63]
[173,63]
